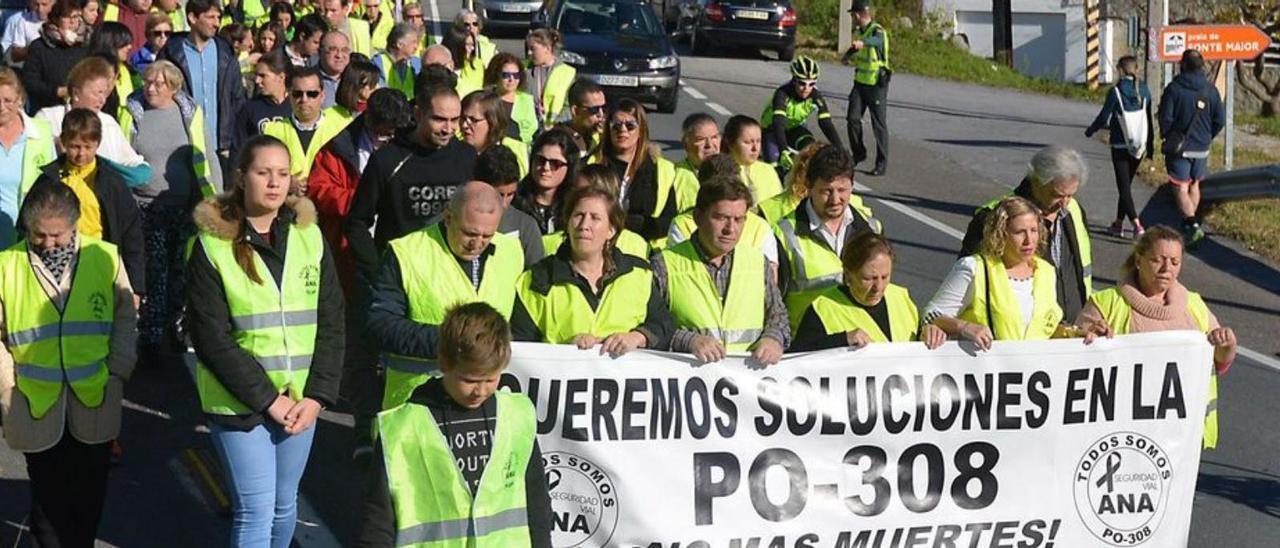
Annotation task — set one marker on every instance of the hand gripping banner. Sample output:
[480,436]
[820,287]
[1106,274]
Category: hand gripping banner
[1031,444]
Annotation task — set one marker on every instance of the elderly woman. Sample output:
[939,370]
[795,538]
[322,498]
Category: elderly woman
[90,84]
[1054,176]
[168,131]
[866,307]
[1005,291]
[506,76]
[1150,298]
[648,180]
[588,293]
[60,404]
[484,126]
[28,144]
[50,58]
[265,311]
[469,22]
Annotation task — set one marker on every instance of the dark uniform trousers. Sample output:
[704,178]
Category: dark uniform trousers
[864,98]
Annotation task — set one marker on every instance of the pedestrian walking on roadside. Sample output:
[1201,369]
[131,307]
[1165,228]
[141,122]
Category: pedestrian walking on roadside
[416,495]
[1127,113]
[265,312]
[869,55]
[1191,116]
[61,389]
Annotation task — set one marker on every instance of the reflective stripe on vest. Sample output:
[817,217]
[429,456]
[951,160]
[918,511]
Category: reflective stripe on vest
[555,92]
[628,242]
[36,153]
[737,320]
[433,282]
[762,179]
[564,312]
[301,161]
[867,62]
[995,305]
[841,315]
[51,347]
[433,505]
[394,78]
[814,268]
[276,325]
[1118,314]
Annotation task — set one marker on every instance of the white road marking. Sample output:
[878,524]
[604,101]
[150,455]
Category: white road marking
[719,109]
[435,20]
[911,212]
[312,531]
[1259,357]
[692,92]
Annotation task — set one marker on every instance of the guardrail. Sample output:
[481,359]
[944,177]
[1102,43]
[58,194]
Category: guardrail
[1242,184]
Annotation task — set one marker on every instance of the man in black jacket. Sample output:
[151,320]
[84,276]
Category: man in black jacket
[411,179]
[212,78]
[474,349]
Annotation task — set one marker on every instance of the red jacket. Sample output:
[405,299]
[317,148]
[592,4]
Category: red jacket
[332,186]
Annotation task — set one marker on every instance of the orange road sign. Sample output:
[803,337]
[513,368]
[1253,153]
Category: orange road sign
[1215,42]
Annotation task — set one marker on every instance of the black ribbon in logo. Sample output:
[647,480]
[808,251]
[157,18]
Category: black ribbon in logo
[1108,477]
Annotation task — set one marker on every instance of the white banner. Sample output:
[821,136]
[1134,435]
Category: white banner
[893,446]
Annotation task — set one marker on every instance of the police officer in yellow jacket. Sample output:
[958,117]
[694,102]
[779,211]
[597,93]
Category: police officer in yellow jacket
[869,55]
[416,494]
[68,327]
[1054,176]
[463,258]
[723,298]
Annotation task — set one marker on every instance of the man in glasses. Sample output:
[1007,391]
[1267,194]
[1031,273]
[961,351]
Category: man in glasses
[335,55]
[791,106]
[413,17]
[587,106]
[308,129]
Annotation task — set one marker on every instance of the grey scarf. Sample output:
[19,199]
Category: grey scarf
[58,258]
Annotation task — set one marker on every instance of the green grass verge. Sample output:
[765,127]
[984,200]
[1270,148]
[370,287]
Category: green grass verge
[1262,125]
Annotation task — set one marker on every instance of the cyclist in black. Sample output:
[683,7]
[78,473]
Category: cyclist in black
[785,116]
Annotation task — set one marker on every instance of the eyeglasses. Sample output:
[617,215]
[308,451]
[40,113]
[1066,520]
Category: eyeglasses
[308,93]
[510,75]
[474,121]
[629,125]
[471,24]
[594,110]
[554,164]
[344,51]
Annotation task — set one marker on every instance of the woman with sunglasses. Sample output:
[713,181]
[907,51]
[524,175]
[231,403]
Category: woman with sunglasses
[506,76]
[647,193]
[549,78]
[483,126]
[554,164]
[469,22]
[588,292]
[159,29]
[466,60]
[791,106]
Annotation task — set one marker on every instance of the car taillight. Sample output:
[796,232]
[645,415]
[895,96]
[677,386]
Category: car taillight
[714,12]
[788,18]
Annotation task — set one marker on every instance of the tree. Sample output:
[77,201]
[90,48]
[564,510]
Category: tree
[1255,77]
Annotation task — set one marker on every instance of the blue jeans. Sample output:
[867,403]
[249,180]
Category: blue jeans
[264,467]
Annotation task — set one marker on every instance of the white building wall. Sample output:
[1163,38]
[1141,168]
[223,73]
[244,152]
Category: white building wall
[1048,35]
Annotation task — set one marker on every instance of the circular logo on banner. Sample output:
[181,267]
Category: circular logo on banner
[1121,488]
[584,505]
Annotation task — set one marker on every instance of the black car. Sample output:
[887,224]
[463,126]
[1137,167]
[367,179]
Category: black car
[621,45]
[763,24]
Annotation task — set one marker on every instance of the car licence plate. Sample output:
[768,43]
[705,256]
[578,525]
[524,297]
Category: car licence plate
[752,14]
[515,8]
[617,80]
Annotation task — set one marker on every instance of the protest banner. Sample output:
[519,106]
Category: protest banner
[1030,444]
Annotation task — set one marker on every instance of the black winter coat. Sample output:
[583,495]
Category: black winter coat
[46,69]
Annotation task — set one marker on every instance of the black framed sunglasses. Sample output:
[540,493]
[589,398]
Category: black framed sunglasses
[511,75]
[629,125]
[594,110]
[554,164]
[309,94]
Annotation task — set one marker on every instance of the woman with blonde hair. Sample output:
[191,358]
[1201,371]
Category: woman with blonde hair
[1005,291]
[1150,298]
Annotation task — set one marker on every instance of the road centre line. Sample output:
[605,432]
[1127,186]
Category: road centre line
[911,212]
[719,109]
[692,92]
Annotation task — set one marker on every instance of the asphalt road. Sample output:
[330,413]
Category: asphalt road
[953,147]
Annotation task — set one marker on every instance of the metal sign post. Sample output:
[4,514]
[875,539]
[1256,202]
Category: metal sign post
[1229,140]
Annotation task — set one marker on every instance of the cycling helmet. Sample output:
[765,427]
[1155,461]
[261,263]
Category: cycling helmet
[805,68]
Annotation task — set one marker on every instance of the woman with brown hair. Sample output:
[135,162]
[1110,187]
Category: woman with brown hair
[484,126]
[506,76]
[49,59]
[554,166]
[866,307]
[265,312]
[549,78]
[588,292]
[1005,291]
[647,194]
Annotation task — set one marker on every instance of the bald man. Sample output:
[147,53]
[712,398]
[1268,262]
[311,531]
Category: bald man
[437,54]
[460,259]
